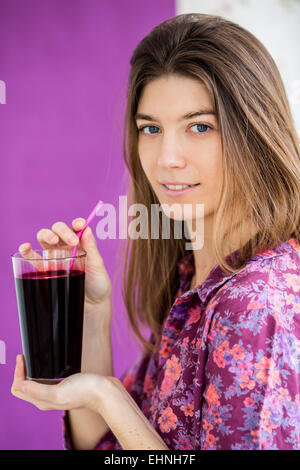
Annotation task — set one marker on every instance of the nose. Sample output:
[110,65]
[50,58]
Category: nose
[171,153]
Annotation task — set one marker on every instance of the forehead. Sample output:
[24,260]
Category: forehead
[174,93]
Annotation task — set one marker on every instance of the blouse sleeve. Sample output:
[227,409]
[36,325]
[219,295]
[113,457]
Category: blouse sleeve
[251,395]
[108,441]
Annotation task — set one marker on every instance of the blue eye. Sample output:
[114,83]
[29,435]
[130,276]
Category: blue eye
[202,128]
[150,129]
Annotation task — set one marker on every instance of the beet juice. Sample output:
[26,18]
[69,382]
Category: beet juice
[51,305]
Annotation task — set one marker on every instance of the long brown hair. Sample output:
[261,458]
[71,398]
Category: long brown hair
[261,156]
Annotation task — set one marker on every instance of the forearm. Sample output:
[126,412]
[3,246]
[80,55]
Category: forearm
[127,421]
[88,427]
[96,343]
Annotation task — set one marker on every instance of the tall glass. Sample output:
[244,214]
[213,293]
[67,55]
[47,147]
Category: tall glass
[50,298]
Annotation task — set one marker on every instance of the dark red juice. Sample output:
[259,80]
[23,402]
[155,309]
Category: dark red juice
[50,307]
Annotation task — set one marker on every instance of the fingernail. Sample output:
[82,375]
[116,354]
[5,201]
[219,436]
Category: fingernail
[80,223]
[52,237]
[23,248]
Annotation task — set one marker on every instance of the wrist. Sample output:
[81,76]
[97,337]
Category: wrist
[101,305]
[125,419]
[105,394]
[101,311]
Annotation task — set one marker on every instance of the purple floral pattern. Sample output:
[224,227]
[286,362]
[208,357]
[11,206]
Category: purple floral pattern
[227,372]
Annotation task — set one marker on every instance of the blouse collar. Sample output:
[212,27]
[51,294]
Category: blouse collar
[217,277]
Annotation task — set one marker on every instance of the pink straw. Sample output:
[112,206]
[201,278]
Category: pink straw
[79,234]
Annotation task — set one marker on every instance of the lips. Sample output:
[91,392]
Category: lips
[178,192]
[180,184]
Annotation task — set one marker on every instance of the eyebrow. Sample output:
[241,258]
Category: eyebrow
[146,117]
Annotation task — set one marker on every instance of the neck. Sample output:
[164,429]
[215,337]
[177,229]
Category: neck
[204,257]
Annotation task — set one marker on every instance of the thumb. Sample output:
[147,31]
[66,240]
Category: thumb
[38,391]
[89,244]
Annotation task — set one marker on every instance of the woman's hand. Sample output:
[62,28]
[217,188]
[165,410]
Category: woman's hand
[96,343]
[106,396]
[97,282]
[76,391]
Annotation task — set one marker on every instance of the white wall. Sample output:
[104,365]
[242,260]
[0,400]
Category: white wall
[276,23]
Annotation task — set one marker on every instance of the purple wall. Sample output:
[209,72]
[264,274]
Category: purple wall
[65,65]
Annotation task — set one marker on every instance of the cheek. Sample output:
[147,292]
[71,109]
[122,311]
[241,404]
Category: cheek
[146,160]
[210,168]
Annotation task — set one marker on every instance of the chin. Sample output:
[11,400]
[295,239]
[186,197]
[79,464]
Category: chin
[182,211]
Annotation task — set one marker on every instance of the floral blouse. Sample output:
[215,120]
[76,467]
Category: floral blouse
[227,372]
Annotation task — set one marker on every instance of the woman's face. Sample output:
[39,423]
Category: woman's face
[179,149]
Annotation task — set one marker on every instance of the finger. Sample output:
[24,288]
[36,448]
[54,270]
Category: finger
[19,380]
[94,260]
[41,393]
[19,375]
[65,233]
[41,405]
[47,238]
[28,253]
[78,224]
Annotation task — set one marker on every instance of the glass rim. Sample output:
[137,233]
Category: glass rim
[80,254]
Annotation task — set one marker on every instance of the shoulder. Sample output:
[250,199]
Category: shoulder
[267,289]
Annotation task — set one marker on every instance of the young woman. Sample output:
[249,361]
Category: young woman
[206,108]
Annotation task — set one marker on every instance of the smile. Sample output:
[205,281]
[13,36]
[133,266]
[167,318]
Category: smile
[178,190]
